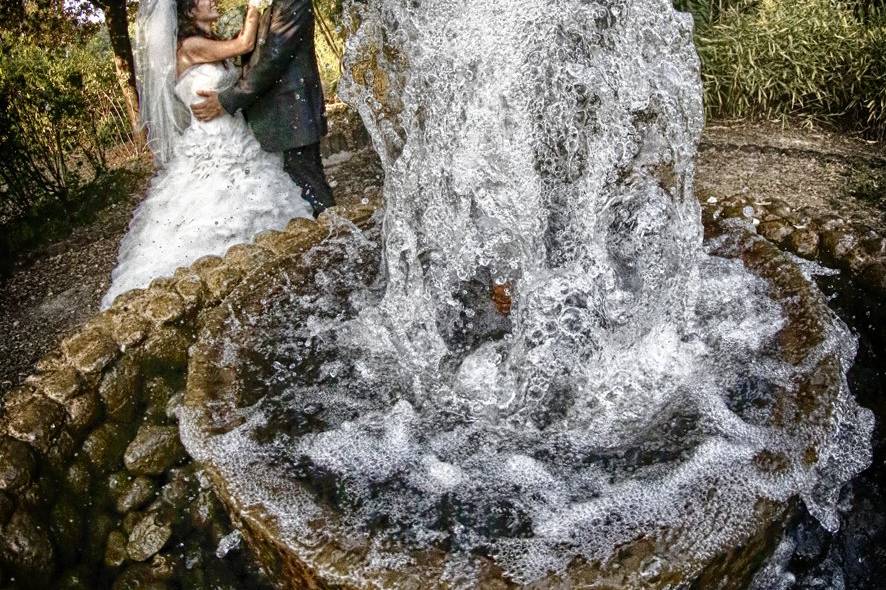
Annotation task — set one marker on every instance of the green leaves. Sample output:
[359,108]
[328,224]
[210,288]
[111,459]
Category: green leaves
[817,59]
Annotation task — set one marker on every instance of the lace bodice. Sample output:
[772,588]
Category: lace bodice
[213,76]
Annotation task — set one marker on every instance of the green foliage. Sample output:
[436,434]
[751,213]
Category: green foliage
[60,113]
[818,59]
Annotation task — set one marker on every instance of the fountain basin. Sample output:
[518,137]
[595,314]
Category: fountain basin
[265,492]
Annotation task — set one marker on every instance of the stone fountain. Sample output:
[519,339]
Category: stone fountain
[651,409]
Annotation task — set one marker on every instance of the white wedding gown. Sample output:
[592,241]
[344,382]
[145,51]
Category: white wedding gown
[219,189]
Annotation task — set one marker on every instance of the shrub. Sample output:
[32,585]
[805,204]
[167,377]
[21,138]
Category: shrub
[60,110]
[817,59]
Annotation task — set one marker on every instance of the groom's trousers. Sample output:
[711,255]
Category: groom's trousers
[305,167]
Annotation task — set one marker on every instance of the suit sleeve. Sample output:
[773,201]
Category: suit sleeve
[290,22]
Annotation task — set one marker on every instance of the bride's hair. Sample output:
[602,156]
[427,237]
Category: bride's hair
[187,26]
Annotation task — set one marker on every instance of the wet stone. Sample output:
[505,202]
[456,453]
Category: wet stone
[179,488]
[775,231]
[157,393]
[7,507]
[167,347]
[104,447]
[857,259]
[26,546]
[246,257]
[90,350]
[17,464]
[115,549]
[874,277]
[138,576]
[804,242]
[127,328]
[154,450]
[836,244]
[130,493]
[83,411]
[163,306]
[34,419]
[147,538]
[119,390]
[59,384]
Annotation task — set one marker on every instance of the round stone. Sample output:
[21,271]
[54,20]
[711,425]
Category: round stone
[147,538]
[154,450]
[17,464]
[804,242]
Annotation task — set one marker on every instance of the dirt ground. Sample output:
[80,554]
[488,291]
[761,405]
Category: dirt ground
[57,287]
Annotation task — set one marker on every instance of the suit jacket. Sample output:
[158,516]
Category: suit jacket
[280,92]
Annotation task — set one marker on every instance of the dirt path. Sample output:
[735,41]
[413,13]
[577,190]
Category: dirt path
[59,286]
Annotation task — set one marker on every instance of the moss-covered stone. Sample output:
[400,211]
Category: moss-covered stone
[154,450]
[127,327]
[104,447]
[33,418]
[138,576]
[17,464]
[163,306]
[66,528]
[246,257]
[77,477]
[120,388]
[804,242]
[775,230]
[147,538]
[115,549]
[130,493]
[191,289]
[25,547]
[90,350]
[59,384]
[221,280]
[83,412]
[167,348]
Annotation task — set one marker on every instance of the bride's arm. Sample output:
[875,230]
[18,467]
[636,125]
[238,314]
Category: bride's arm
[199,50]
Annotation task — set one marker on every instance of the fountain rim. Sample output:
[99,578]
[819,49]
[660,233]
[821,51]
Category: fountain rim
[803,332]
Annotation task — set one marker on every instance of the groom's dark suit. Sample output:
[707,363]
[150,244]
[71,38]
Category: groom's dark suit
[281,96]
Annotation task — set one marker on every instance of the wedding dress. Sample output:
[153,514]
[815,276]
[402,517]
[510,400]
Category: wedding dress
[218,189]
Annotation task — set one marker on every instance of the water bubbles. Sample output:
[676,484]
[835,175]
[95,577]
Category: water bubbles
[636,388]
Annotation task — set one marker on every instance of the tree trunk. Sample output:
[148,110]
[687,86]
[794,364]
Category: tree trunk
[118,28]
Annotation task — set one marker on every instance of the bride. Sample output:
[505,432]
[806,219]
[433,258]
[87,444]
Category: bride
[216,187]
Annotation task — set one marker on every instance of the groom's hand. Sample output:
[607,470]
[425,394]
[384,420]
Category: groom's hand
[210,108]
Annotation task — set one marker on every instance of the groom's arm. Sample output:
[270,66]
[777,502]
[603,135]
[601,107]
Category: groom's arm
[290,20]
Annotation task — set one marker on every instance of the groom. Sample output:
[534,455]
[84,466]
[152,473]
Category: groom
[281,97]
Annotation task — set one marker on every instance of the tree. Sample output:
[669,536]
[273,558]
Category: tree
[117,21]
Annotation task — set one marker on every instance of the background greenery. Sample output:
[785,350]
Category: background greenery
[70,141]
[818,60]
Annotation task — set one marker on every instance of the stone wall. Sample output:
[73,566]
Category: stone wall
[96,489]
[95,485]
[856,249]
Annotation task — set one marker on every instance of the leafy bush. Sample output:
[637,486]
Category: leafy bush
[817,59]
[60,110]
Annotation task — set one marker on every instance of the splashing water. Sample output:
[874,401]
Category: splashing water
[632,392]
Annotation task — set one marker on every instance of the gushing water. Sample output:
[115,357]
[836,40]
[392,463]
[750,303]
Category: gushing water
[632,392]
